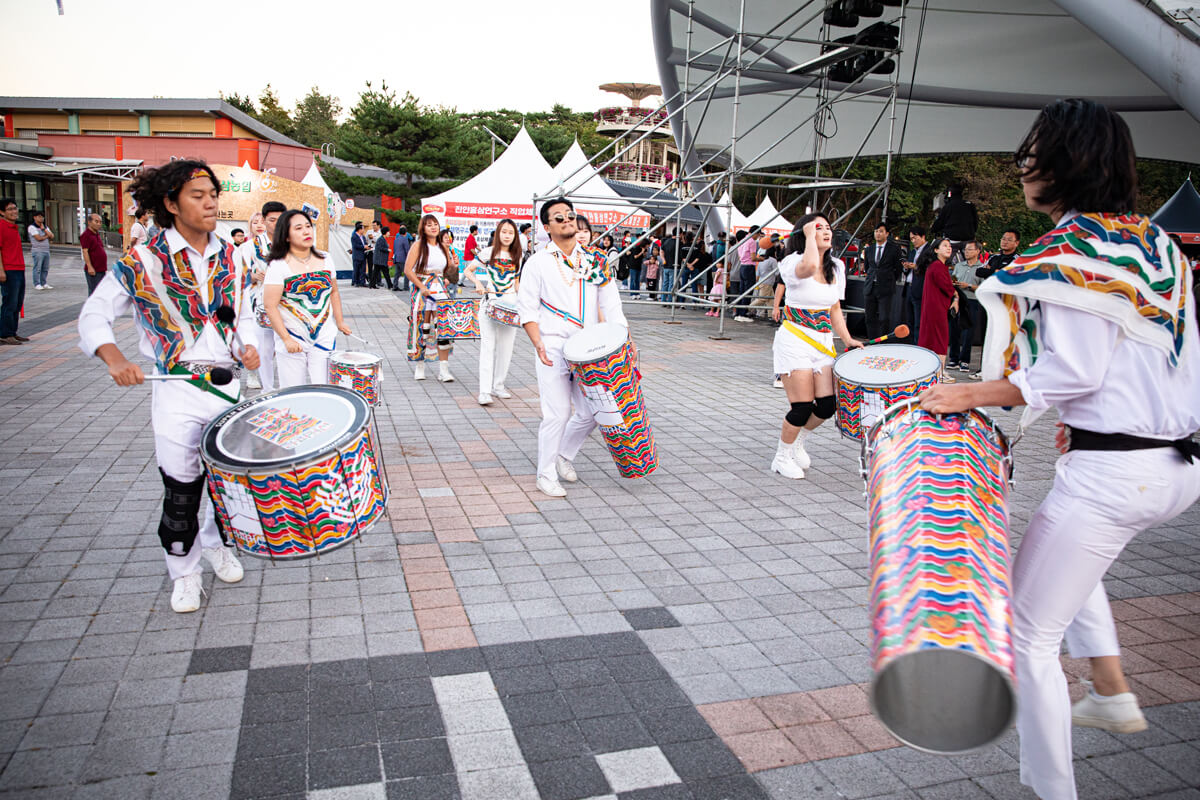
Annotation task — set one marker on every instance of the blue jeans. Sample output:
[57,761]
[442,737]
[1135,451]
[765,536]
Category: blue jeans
[41,268]
[12,292]
[635,278]
[667,283]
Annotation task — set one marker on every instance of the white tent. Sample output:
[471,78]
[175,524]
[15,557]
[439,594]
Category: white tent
[339,235]
[575,176]
[769,219]
[740,221]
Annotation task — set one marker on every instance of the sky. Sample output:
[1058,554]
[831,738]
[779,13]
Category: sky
[474,55]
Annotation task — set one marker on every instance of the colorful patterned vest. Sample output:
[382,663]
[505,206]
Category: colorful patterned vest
[307,298]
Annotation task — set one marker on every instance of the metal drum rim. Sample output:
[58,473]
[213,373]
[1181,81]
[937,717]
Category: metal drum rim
[922,377]
[378,360]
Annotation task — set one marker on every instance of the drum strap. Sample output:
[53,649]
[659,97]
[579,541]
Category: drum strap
[201,383]
[804,337]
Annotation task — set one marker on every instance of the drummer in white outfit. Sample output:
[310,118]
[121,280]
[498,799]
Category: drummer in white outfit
[564,288]
[186,258]
[1128,398]
[496,275]
[255,253]
[426,267]
[814,285]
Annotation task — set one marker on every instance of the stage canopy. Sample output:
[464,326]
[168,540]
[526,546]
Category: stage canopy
[575,177]
[767,218]
[1181,214]
[504,189]
[976,73]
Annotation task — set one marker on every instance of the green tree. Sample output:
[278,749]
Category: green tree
[272,114]
[314,121]
[240,102]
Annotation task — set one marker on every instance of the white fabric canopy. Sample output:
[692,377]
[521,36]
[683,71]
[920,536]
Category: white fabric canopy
[769,219]
[574,175]
[738,221]
[504,189]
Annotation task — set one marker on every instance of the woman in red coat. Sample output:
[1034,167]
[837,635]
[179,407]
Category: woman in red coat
[937,300]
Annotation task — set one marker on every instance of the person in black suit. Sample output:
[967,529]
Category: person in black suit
[379,261]
[358,256]
[883,260]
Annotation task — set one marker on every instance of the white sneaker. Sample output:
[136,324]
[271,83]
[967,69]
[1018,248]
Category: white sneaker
[419,371]
[47,286]
[566,470]
[502,393]
[784,464]
[252,381]
[224,563]
[444,372]
[799,454]
[186,597]
[38,287]
[1118,713]
[551,488]
[485,399]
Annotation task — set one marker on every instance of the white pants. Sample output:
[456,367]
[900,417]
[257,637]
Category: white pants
[495,352]
[178,414]
[561,432]
[310,365]
[266,354]
[1098,503]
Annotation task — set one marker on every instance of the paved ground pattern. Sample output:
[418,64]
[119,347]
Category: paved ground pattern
[701,633]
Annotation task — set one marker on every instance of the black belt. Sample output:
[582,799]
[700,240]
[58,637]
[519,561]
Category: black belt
[1089,440]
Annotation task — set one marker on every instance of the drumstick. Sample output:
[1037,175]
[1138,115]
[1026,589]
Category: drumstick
[900,332]
[361,339]
[218,377]
[226,314]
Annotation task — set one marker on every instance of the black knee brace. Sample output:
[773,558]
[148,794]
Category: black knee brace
[179,524]
[443,343]
[824,407]
[799,414]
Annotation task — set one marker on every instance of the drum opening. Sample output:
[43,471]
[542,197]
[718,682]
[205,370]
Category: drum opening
[943,701]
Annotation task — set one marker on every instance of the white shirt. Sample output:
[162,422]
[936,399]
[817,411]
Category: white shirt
[542,279]
[138,234]
[810,292]
[110,301]
[278,272]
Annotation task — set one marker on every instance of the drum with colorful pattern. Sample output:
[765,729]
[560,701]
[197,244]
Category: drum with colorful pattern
[503,309]
[457,319]
[362,372]
[297,472]
[937,505]
[601,358]
[869,379]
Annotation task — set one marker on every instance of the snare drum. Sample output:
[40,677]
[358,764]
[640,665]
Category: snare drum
[258,305]
[297,472]
[937,505]
[870,379]
[457,319]
[362,372]
[601,358]
[503,309]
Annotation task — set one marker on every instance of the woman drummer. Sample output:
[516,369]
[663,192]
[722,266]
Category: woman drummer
[426,268]
[815,283]
[496,275]
[301,294]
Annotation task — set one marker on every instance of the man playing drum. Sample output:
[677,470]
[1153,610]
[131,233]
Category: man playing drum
[1096,320]
[564,288]
[174,285]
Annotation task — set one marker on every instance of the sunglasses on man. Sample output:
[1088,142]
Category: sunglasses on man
[560,219]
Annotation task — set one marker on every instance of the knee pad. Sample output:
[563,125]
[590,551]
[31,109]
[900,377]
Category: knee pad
[443,343]
[180,521]
[823,407]
[799,413]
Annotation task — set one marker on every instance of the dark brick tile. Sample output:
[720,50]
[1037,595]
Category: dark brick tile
[516,654]
[637,667]
[401,724]
[429,787]
[597,701]
[276,679]
[585,672]
[609,734]
[328,674]
[455,662]
[671,725]
[645,619]
[728,787]
[399,667]
[705,758]
[537,709]
[417,757]
[522,680]
[268,776]
[569,779]
[219,659]
[281,707]
[403,693]
[348,767]
[618,644]
[331,701]
[650,695]
[568,648]
[673,791]
[275,739]
[335,733]
[551,742]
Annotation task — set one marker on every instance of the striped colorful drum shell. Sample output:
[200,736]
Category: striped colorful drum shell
[503,309]
[601,359]
[457,319]
[937,504]
[297,472]
[362,372]
[870,379]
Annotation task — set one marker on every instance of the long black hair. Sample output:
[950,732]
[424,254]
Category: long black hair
[153,187]
[929,255]
[281,244]
[798,241]
[514,249]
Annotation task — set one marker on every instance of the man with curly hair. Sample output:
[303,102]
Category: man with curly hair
[174,285]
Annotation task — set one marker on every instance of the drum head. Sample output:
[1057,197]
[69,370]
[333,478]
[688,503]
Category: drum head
[354,358]
[506,301]
[886,365]
[284,428]
[595,342]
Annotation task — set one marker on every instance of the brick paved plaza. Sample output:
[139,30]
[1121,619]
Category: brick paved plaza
[701,633]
